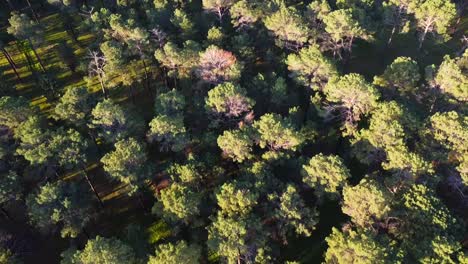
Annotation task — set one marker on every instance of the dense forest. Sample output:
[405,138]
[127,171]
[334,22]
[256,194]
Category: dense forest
[233,131]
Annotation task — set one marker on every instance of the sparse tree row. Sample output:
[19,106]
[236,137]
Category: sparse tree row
[233,131]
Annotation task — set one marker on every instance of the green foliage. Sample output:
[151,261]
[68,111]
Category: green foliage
[326,174]
[232,237]
[180,201]
[179,253]
[451,77]
[236,144]
[7,257]
[276,133]
[157,231]
[186,173]
[399,158]
[60,204]
[402,75]
[33,141]
[169,131]
[234,199]
[311,68]
[237,99]
[112,51]
[219,7]
[293,214]
[182,21]
[215,36]
[229,100]
[431,230]
[317,9]
[69,148]
[10,187]
[128,163]
[169,103]
[102,250]
[244,14]
[385,141]
[279,92]
[179,61]
[353,96]
[41,146]
[366,202]
[288,26]
[75,106]
[14,111]
[343,28]
[112,122]
[22,27]
[434,16]
[356,247]
[451,130]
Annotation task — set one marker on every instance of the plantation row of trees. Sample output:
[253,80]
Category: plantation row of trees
[244,124]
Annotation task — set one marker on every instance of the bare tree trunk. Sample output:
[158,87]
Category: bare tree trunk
[11,62]
[351,45]
[165,77]
[146,77]
[220,15]
[12,7]
[140,200]
[86,233]
[391,35]
[175,81]
[5,213]
[21,48]
[131,89]
[35,54]
[423,37]
[85,173]
[32,11]
[103,88]
[8,56]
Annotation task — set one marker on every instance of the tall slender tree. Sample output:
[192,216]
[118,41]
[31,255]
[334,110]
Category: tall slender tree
[23,28]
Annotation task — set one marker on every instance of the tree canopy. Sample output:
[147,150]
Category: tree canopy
[233,131]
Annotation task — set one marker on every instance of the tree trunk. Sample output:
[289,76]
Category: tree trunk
[175,81]
[391,35]
[140,200]
[21,48]
[86,233]
[11,62]
[10,4]
[92,187]
[32,11]
[351,44]
[165,77]
[220,16]
[397,23]
[5,213]
[423,36]
[132,92]
[8,56]
[37,56]
[103,88]
[72,32]
[146,77]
